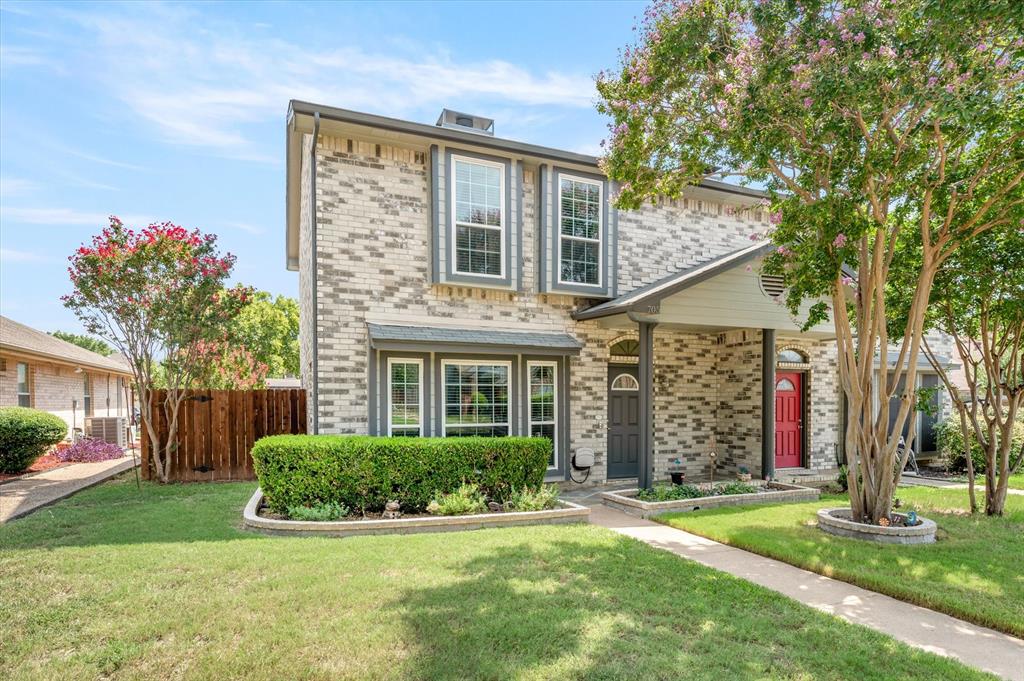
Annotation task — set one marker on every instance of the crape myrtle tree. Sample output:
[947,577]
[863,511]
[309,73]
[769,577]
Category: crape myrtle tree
[978,301]
[844,112]
[158,296]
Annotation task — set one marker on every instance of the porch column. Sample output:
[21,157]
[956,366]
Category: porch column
[646,380]
[767,403]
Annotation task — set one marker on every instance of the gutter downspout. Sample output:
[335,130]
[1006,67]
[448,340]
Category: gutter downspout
[315,273]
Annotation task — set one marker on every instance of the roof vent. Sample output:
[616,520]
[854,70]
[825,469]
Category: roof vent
[467,122]
[773,285]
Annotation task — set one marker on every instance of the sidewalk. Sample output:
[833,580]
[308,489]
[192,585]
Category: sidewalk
[28,493]
[921,481]
[978,647]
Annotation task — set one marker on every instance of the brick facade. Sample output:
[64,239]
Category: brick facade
[374,259]
[56,388]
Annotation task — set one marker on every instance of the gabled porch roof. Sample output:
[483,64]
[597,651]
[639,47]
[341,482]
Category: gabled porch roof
[714,296]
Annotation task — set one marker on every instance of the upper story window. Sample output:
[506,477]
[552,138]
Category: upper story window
[478,218]
[579,241]
[24,389]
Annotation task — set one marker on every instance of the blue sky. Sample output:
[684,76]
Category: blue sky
[176,112]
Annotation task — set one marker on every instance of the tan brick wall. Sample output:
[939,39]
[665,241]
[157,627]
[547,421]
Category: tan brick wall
[59,390]
[374,259]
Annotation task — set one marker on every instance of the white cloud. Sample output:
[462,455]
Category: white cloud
[15,186]
[203,82]
[89,156]
[10,255]
[246,227]
[63,217]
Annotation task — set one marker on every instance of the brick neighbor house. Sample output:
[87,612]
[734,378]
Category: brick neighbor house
[43,372]
[453,283]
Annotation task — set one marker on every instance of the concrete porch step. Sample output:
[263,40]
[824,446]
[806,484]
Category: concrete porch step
[805,476]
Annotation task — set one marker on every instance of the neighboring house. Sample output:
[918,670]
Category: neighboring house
[43,372]
[466,284]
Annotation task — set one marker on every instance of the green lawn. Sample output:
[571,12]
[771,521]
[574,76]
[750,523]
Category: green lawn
[115,583]
[973,571]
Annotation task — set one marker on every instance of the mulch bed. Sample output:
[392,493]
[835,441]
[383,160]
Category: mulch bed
[44,463]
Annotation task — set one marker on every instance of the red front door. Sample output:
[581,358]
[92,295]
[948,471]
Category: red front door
[789,419]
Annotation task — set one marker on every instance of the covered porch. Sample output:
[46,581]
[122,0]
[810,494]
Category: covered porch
[710,375]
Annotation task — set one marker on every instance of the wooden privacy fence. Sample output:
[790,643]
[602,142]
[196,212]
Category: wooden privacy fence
[217,429]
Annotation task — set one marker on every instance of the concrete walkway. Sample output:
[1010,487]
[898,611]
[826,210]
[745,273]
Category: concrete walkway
[921,481]
[28,493]
[978,647]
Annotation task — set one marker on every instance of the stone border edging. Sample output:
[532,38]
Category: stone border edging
[251,520]
[626,501]
[830,521]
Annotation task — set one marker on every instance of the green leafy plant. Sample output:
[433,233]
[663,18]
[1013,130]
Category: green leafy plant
[736,487]
[526,499]
[841,482]
[466,500]
[670,493]
[949,439]
[25,435]
[364,472]
[330,510]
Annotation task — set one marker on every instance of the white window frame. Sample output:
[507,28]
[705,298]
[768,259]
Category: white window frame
[28,382]
[600,230]
[529,416]
[454,226]
[474,362]
[87,390]
[405,360]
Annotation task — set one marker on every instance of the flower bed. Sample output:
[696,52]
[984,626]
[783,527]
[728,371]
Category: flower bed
[257,517]
[838,521]
[768,492]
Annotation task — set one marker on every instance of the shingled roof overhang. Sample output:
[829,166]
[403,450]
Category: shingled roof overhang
[476,341]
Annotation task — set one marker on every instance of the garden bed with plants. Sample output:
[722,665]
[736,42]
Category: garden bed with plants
[665,498]
[355,485]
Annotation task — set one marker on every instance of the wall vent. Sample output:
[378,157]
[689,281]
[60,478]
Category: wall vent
[457,120]
[773,285]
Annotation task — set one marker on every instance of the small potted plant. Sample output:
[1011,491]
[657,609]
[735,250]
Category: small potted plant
[744,474]
[676,472]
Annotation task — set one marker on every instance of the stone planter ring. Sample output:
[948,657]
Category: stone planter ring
[838,521]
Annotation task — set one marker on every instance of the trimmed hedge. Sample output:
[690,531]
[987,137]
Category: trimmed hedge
[364,472]
[25,435]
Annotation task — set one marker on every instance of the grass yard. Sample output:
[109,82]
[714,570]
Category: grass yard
[973,571]
[115,583]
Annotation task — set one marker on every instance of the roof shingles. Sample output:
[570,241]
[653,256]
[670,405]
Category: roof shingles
[15,336]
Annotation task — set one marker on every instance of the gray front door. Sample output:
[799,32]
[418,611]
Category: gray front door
[623,422]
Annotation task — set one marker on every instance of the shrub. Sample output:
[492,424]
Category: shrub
[950,442]
[540,499]
[90,449]
[736,487]
[466,500]
[364,472]
[25,435]
[670,493]
[327,511]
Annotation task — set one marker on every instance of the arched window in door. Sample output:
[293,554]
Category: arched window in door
[784,384]
[625,382]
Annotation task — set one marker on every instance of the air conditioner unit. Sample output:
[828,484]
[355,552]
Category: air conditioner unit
[110,429]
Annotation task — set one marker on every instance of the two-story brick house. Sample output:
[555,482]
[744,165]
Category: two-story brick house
[453,283]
